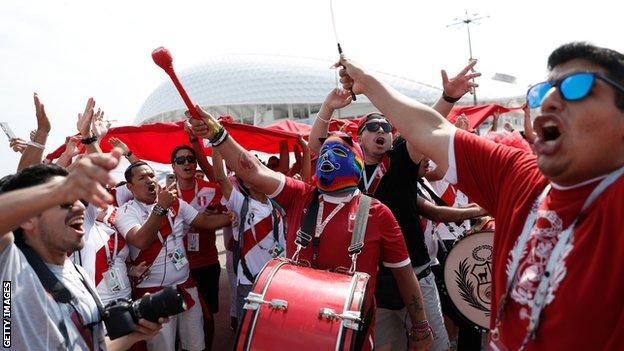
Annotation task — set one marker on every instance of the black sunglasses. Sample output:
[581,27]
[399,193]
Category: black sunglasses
[374,126]
[69,206]
[181,159]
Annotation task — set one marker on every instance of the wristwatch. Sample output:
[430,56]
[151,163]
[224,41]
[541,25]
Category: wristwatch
[159,210]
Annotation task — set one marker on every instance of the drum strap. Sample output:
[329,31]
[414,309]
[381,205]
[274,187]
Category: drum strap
[308,223]
[238,244]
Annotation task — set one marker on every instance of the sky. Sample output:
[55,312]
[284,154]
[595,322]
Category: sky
[68,51]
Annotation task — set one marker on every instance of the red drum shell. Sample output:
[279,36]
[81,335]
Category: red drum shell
[299,327]
[468,277]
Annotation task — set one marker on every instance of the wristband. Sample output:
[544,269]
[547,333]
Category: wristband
[222,136]
[89,140]
[130,153]
[36,144]
[318,116]
[159,210]
[449,99]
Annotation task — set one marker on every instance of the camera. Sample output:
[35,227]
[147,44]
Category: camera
[122,315]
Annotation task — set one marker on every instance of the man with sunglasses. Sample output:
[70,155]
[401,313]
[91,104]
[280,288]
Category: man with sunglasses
[390,174]
[558,260]
[40,205]
[155,224]
[201,246]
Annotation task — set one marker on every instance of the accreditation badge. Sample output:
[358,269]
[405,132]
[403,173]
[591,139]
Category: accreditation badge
[178,258]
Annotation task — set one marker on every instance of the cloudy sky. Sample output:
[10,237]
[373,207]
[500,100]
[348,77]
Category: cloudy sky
[70,50]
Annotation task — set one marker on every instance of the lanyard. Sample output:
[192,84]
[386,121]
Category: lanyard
[109,258]
[565,238]
[320,223]
[368,182]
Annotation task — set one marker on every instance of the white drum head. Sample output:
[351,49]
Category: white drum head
[468,277]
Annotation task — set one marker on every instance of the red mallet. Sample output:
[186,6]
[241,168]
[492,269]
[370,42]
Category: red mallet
[162,57]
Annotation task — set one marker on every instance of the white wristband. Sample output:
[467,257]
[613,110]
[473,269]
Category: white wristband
[36,144]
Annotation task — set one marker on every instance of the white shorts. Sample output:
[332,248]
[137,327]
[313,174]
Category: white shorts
[391,326]
[190,326]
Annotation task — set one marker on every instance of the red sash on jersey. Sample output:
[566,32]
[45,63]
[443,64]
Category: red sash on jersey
[262,229]
[151,253]
[379,172]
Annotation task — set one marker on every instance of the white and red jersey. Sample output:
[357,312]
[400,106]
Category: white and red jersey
[454,198]
[583,308]
[258,236]
[203,195]
[105,234]
[170,236]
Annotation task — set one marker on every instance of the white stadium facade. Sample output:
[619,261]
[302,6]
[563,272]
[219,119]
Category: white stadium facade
[261,89]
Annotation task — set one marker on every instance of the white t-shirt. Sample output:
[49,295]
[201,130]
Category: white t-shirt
[162,270]
[259,239]
[111,284]
[37,321]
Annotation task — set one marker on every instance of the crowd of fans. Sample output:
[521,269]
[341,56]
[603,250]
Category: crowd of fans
[74,240]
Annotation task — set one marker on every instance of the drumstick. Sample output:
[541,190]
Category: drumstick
[331,9]
[162,57]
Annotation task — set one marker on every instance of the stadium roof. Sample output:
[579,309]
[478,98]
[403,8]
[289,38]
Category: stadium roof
[248,79]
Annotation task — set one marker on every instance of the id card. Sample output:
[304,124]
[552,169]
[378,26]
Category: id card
[178,258]
[113,280]
[193,242]
[276,251]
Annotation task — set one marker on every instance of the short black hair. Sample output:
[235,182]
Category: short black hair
[611,60]
[29,177]
[128,172]
[181,147]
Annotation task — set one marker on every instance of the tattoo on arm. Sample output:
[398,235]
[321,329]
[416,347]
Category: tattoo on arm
[247,162]
[416,303]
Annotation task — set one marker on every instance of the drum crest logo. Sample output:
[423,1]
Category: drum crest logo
[474,278]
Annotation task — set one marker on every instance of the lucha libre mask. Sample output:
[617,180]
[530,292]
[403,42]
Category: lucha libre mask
[339,165]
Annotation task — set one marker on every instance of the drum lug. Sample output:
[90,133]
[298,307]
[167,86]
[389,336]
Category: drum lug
[350,319]
[255,300]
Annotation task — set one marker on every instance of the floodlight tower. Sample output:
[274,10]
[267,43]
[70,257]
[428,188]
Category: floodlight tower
[468,20]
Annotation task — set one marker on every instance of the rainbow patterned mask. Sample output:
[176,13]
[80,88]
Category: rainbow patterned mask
[340,163]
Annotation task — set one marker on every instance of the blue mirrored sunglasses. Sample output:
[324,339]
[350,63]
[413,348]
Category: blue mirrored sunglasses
[572,87]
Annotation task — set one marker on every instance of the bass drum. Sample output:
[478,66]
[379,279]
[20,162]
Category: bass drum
[292,307]
[468,277]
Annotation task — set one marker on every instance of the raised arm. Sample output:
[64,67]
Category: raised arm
[202,160]
[83,124]
[495,118]
[453,89]
[241,161]
[128,154]
[33,154]
[220,176]
[213,221]
[419,124]
[528,126]
[284,160]
[336,99]
[306,163]
[71,150]
[85,181]
[143,236]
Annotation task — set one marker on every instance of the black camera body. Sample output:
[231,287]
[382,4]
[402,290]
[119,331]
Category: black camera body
[122,315]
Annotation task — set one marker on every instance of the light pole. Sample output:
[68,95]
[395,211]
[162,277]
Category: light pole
[467,20]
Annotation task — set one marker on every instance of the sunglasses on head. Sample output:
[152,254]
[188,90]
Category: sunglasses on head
[181,159]
[69,206]
[374,126]
[572,87]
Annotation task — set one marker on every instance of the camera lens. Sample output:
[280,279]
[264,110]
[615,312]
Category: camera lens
[165,303]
